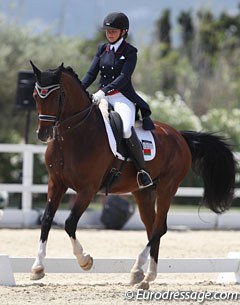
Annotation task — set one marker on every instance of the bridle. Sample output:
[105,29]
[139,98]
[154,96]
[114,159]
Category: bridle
[44,92]
[68,124]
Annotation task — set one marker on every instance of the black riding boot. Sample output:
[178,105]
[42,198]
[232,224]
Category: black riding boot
[136,154]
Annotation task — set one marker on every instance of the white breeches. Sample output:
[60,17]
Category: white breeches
[126,110]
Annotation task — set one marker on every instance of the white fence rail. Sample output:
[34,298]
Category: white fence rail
[227,267]
[27,188]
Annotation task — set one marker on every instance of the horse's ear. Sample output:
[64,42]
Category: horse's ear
[59,70]
[36,71]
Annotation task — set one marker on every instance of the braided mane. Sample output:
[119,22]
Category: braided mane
[70,70]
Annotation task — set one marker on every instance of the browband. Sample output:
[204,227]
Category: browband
[44,92]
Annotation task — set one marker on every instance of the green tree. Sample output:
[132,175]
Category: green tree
[187,33]
[173,111]
[224,122]
[187,27]
[164,32]
[18,46]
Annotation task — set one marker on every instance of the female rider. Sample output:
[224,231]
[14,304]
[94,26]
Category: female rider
[116,61]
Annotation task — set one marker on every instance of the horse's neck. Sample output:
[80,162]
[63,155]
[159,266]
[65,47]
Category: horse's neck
[77,99]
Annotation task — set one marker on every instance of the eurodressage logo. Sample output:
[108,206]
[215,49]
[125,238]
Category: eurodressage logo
[147,147]
[198,296]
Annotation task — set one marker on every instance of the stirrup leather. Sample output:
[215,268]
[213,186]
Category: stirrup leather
[143,179]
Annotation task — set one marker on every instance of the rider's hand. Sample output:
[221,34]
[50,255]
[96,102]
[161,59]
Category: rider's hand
[98,96]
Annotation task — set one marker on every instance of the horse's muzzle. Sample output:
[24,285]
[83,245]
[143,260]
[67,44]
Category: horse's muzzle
[45,134]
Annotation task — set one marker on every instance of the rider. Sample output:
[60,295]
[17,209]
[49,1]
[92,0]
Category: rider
[116,61]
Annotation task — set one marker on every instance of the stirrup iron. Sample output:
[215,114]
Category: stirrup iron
[144,181]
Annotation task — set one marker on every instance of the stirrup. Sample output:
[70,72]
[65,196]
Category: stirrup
[143,179]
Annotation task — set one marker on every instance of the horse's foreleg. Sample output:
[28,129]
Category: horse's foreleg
[84,260]
[53,201]
[37,267]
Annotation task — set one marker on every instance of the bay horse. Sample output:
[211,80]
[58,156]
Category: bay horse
[78,156]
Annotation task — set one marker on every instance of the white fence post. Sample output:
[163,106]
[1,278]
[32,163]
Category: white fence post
[27,177]
[27,182]
[6,272]
[231,277]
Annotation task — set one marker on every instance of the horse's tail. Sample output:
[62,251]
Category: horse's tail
[213,160]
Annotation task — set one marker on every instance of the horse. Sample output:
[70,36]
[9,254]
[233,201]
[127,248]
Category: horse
[78,156]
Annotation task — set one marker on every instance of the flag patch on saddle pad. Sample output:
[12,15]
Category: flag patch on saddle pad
[147,147]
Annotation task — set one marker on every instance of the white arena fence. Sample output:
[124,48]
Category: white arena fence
[228,269]
[27,188]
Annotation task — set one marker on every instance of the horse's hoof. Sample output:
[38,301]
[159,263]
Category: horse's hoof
[88,265]
[136,277]
[37,274]
[143,285]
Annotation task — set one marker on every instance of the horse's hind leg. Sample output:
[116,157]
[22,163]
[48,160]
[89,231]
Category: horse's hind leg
[155,223]
[81,203]
[153,249]
[158,230]
[146,204]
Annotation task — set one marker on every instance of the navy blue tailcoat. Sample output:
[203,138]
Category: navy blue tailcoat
[116,69]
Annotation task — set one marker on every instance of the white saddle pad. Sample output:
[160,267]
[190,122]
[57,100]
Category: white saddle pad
[145,136]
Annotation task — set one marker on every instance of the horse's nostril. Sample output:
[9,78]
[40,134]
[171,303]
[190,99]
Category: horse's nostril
[45,134]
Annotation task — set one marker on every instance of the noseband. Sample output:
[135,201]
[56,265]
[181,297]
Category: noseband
[44,92]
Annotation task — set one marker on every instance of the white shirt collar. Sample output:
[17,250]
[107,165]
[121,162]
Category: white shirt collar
[117,44]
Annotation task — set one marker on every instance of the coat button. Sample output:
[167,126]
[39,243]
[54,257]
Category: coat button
[112,68]
[103,67]
[104,75]
[113,77]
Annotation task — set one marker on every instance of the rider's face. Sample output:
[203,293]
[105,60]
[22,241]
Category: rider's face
[112,35]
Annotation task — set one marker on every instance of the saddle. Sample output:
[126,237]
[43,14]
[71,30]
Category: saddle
[117,129]
[114,129]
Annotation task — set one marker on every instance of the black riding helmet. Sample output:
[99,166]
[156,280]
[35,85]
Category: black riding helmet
[116,21]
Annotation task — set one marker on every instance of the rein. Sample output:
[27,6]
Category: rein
[73,122]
